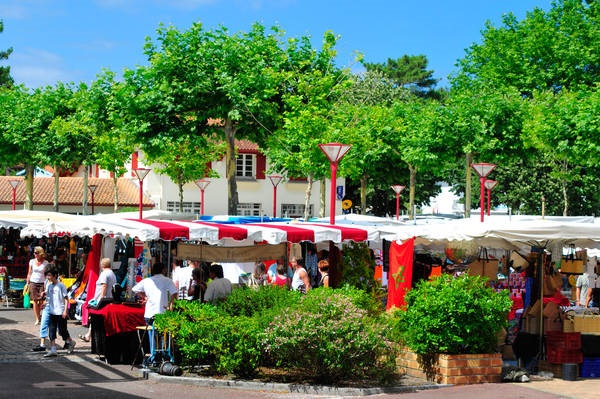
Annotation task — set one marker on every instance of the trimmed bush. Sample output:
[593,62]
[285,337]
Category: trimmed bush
[329,338]
[450,315]
[326,335]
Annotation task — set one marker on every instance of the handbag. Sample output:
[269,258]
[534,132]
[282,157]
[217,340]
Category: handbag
[26,298]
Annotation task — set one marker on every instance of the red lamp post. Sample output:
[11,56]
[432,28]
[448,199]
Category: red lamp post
[334,152]
[202,184]
[93,188]
[489,186]
[275,180]
[397,189]
[140,174]
[14,183]
[483,169]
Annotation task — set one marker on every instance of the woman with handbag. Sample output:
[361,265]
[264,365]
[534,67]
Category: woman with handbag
[35,280]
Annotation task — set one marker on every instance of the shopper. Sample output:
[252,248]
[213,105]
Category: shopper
[57,303]
[158,293]
[219,288]
[35,280]
[300,280]
[104,289]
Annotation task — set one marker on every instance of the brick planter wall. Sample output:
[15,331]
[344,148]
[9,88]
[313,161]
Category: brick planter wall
[453,369]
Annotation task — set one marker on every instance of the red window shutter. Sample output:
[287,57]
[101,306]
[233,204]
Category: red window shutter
[261,164]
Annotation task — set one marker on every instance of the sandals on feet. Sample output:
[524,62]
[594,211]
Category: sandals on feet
[83,338]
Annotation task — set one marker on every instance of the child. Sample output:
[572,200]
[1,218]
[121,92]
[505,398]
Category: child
[57,302]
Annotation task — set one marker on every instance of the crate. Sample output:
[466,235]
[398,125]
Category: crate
[590,368]
[17,284]
[565,340]
[561,355]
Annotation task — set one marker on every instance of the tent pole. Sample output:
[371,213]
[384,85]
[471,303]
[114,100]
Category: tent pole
[540,265]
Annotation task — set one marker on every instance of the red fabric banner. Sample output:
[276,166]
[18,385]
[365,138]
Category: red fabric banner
[400,273]
[90,274]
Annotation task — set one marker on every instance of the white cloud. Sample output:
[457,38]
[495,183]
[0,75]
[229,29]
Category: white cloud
[38,68]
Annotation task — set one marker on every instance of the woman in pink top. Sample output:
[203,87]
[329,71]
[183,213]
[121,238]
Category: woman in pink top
[281,278]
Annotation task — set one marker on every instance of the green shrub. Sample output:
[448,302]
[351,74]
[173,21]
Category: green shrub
[327,335]
[329,338]
[227,335]
[196,330]
[453,315]
[248,302]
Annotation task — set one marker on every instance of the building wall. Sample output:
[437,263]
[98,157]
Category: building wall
[260,191]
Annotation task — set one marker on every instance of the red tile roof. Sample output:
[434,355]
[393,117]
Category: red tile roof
[70,191]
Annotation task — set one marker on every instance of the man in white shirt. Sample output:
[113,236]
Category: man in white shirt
[158,292]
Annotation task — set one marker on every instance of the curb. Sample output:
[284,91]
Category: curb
[284,388]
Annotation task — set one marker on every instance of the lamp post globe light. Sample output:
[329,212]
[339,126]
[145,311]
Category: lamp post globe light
[489,186]
[93,188]
[275,180]
[14,183]
[140,173]
[483,169]
[202,184]
[397,189]
[334,153]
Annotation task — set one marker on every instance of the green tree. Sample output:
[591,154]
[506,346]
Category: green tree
[27,131]
[408,71]
[108,106]
[201,82]
[186,159]
[5,79]
[313,85]
[545,51]
[547,54]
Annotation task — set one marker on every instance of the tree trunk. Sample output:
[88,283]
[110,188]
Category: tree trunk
[29,187]
[85,190]
[115,193]
[468,162]
[56,205]
[323,192]
[180,186]
[230,166]
[565,198]
[363,194]
[411,192]
[309,184]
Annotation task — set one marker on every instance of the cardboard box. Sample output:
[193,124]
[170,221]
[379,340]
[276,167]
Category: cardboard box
[571,266]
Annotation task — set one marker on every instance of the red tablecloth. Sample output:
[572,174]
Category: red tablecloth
[119,318]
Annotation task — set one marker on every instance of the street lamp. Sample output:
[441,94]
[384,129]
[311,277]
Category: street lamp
[14,183]
[275,180]
[334,152]
[483,169]
[140,174]
[202,184]
[92,188]
[397,189]
[489,185]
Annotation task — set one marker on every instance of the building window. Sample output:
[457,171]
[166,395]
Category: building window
[188,207]
[249,209]
[295,210]
[246,166]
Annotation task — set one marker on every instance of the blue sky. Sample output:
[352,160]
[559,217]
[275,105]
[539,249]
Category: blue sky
[72,40]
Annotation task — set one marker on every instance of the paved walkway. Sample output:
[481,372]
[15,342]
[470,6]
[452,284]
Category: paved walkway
[28,374]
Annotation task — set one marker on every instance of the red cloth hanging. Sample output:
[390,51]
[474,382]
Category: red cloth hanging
[400,273]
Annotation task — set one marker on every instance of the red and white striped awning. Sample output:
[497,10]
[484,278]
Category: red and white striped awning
[212,233]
